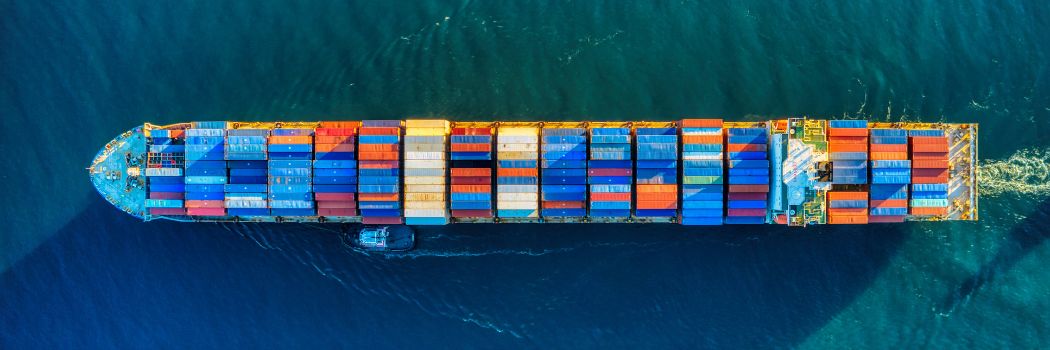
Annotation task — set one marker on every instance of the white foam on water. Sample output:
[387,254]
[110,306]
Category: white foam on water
[1026,172]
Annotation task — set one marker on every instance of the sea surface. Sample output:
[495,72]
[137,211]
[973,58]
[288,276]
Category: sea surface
[77,273]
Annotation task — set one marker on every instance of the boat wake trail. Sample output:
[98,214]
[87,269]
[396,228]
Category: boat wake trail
[1025,173]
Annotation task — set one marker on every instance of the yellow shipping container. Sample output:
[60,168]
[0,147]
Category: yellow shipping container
[413,196]
[523,131]
[426,123]
[517,155]
[502,139]
[424,188]
[425,180]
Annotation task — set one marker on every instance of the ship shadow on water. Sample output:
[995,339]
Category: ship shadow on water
[550,285]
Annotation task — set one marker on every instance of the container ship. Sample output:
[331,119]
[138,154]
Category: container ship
[791,171]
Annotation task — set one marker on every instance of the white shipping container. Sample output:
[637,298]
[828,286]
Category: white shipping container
[424,188]
[424,172]
[425,180]
[424,155]
[424,164]
[501,139]
[163,171]
[702,157]
[516,205]
[424,205]
[517,188]
[510,130]
[518,196]
[419,140]
[425,147]
[413,196]
[425,213]
[532,147]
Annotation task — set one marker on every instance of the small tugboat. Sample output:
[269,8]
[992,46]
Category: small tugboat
[394,238]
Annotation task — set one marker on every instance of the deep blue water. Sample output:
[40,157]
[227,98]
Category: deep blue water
[76,273]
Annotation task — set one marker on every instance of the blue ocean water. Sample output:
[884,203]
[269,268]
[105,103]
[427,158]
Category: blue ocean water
[76,273]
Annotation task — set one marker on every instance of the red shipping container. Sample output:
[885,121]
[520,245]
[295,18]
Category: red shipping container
[924,211]
[378,197]
[380,131]
[885,219]
[747,196]
[847,132]
[924,172]
[853,140]
[471,188]
[471,147]
[471,131]
[700,123]
[610,197]
[337,204]
[746,148]
[166,195]
[608,172]
[167,211]
[373,220]
[471,180]
[334,139]
[324,147]
[204,204]
[335,196]
[336,212]
[206,211]
[748,188]
[926,148]
[471,213]
[847,195]
[929,164]
[562,204]
[335,132]
[378,164]
[471,172]
[889,203]
[847,211]
[746,212]
[929,179]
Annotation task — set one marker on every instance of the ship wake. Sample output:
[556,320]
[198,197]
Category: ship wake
[1026,173]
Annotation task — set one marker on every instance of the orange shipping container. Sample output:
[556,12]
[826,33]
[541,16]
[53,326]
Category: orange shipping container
[378,164]
[833,148]
[929,179]
[291,140]
[471,172]
[847,211]
[746,148]
[204,204]
[177,134]
[701,139]
[657,204]
[340,124]
[377,156]
[834,196]
[930,140]
[701,123]
[517,172]
[325,147]
[889,203]
[924,211]
[471,147]
[651,196]
[471,188]
[335,132]
[563,204]
[888,148]
[369,147]
[848,220]
[888,155]
[378,197]
[929,164]
[848,140]
[847,132]
[380,131]
[658,188]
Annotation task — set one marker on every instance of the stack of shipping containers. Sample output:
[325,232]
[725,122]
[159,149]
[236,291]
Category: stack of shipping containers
[748,164]
[702,174]
[656,172]
[425,171]
[564,178]
[517,172]
[471,162]
[335,168]
[929,177]
[890,175]
[205,169]
[164,172]
[609,172]
[290,171]
[379,172]
[847,207]
[246,157]
[848,150]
